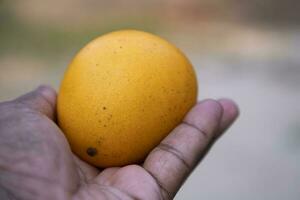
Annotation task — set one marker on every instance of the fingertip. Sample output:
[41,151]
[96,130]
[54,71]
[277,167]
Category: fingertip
[206,114]
[230,114]
[48,93]
[210,105]
[230,107]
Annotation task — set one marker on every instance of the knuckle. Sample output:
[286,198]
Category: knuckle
[175,153]
[195,128]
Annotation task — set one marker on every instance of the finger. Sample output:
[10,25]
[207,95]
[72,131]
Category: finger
[231,112]
[176,156]
[43,100]
[106,175]
[86,171]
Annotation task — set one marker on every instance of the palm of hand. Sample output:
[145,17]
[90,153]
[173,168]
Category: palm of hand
[36,161]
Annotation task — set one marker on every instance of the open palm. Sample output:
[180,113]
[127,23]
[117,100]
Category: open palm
[36,161]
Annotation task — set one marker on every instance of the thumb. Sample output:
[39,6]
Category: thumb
[43,100]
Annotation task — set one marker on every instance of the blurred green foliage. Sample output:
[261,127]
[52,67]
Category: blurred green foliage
[46,41]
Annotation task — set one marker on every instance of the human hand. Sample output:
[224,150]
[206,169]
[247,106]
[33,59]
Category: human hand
[36,161]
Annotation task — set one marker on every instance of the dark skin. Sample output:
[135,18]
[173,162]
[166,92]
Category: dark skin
[36,161]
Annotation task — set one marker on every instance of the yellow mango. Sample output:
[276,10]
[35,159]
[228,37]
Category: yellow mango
[122,94]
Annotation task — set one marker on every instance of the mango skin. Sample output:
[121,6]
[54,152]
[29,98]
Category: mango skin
[122,94]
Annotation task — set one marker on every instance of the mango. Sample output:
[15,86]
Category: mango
[122,94]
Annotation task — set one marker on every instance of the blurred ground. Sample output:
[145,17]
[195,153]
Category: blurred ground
[245,50]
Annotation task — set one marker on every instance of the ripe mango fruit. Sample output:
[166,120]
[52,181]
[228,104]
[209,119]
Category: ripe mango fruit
[122,94]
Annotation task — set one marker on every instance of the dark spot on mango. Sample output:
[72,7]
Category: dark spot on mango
[91,151]
[104,108]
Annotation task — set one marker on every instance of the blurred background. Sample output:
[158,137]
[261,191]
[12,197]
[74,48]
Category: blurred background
[241,49]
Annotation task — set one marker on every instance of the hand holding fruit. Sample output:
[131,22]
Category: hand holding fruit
[36,161]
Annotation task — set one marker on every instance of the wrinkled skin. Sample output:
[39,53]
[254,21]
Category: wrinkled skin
[36,161]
